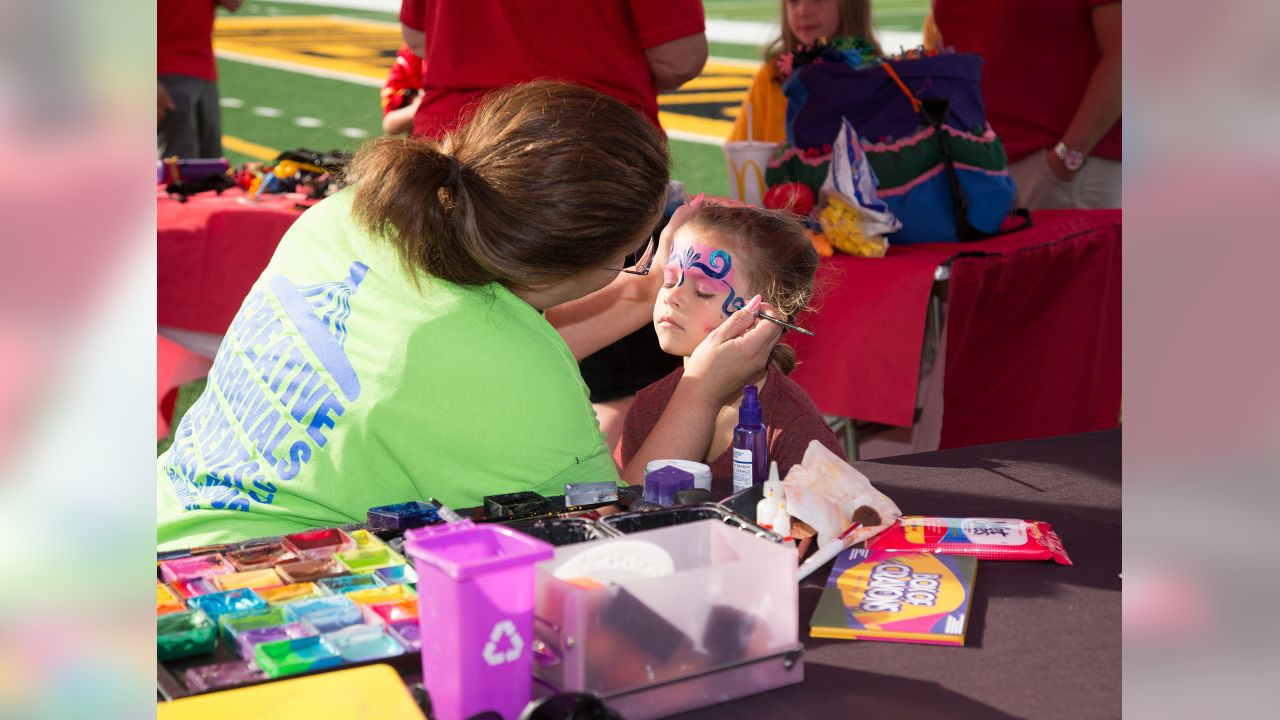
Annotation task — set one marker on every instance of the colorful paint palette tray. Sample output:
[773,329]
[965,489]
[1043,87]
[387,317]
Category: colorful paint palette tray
[291,593]
[195,566]
[392,611]
[366,540]
[403,516]
[193,587]
[398,575]
[289,657]
[327,614]
[248,579]
[316,544]
[217,604]
[233,624]
[363,642]
[260,555]
[350,583]
[310,570]
[220,675]
[167,600]
[408,633]
[183,634]
[389,594]
[247,641]
[370,560]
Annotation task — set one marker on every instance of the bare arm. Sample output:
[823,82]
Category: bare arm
[401,120]
[415,39]
[677,62]
[1100,105]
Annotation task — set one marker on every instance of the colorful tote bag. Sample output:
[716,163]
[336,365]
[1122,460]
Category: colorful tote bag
[920,119]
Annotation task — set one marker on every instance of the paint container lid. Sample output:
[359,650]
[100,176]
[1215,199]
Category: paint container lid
[700,471]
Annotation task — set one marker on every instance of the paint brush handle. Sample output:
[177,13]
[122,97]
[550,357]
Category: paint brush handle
[826,554]
[783,323]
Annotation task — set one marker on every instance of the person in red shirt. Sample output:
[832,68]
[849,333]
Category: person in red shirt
[630,49]
[188,118]
[402,92]
[1052,87]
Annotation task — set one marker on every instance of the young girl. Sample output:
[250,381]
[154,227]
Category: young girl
[720,257]
[804,22]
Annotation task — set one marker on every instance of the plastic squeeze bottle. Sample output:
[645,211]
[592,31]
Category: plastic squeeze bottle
[768,507]
[750,457]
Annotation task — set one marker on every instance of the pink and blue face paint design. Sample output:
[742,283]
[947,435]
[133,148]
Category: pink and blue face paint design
[712,276]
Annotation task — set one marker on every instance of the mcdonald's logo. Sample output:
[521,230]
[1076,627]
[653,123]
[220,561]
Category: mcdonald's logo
[738,177]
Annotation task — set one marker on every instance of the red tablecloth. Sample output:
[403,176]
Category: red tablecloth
[1033,332]
[209,252]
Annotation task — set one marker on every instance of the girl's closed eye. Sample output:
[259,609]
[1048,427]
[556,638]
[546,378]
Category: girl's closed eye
[703,295]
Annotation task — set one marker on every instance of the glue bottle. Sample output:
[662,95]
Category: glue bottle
[750,457]
[782,521]
[768,507]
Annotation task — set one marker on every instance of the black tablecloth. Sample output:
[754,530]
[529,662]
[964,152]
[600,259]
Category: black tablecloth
[1043,639]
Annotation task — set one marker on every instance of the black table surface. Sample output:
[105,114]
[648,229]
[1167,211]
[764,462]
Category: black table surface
[1043,640]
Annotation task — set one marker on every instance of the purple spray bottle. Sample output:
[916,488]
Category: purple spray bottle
[750,457]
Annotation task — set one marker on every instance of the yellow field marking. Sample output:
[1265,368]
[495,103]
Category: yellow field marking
[252,149]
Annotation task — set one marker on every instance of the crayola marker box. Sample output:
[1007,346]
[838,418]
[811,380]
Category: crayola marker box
[902,597]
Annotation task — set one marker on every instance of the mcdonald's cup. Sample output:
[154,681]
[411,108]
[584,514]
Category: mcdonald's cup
[746,161]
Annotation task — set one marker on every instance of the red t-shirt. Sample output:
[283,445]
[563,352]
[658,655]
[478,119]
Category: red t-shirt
[184,38]
[789,415]
[1039,57]
[478,45]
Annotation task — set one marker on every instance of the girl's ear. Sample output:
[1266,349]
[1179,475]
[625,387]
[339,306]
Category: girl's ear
[771,310]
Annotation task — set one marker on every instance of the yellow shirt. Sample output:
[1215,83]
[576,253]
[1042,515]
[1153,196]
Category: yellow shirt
[768,109]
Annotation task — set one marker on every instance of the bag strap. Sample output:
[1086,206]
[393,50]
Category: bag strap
[934,111]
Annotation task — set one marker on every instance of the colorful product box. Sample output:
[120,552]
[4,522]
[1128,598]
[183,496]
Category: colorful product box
[183,634]
[195,566]
[217,604]
[350,583]
[289,657]
[370,560]
[357,643]
[290,593]
[248,579]
[389,594]
[320,543]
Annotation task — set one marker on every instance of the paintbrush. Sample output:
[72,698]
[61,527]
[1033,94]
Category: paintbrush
[783,323]
[864,516]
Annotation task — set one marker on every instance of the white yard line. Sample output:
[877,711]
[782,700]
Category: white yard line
[300,68]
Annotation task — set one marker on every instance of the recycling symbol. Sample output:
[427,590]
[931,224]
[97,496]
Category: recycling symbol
[494,656]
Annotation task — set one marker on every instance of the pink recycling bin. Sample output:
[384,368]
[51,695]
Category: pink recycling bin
[475,598]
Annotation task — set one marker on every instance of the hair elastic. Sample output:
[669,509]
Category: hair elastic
[455,172]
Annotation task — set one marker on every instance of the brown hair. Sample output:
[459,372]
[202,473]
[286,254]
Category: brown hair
[855,19]
[780,260]
[545,180]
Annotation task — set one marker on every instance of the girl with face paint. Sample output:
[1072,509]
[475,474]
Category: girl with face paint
[722,258]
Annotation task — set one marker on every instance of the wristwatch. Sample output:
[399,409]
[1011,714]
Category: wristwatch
[1073,159]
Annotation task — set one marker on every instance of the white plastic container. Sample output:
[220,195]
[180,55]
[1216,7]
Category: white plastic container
[700,471]
[723,625]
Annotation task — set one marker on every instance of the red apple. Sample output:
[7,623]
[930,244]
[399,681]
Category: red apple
[793,196]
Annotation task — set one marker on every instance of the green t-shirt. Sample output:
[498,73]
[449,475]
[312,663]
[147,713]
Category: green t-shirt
[343,384]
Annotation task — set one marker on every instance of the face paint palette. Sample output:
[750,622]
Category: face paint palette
[248,579]
[367,561]
[238,614]
[289,593]
[350,583]
[363,642]
[317,544]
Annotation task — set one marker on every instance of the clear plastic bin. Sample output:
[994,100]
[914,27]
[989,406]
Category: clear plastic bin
[724,625]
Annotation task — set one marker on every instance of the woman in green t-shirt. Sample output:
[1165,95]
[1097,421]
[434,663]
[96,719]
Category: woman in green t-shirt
[415,335]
